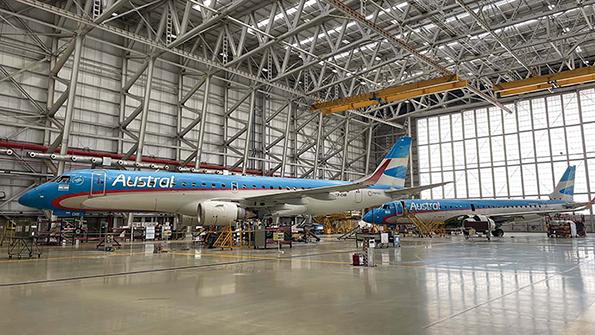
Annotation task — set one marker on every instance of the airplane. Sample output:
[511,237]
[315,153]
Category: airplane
[222,199]
[452,212]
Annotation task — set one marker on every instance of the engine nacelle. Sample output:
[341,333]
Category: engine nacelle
[219,213]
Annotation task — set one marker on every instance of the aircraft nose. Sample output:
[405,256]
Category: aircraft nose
[369,216]
[31,198]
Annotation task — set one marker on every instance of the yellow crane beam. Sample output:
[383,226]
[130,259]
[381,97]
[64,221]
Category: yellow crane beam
[546,82]
[392,94]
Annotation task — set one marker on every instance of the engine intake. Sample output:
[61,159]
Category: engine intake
[219,213]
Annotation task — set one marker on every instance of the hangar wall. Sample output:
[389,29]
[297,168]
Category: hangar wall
[490,153]
[101,106]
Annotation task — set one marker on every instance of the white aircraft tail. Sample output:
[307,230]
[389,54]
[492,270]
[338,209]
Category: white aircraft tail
[565,188]
[392,171]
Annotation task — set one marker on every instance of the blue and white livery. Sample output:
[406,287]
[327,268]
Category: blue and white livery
[456,210]
[222,199]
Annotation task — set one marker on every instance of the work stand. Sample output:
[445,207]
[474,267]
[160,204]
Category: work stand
[21,246]
[108,242]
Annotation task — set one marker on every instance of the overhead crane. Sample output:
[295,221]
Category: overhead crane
[546,82]
[392,94]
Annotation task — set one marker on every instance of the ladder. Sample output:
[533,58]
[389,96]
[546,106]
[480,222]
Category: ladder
[225,239]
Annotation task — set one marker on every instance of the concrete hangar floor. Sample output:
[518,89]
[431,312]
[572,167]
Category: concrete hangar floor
[523,285]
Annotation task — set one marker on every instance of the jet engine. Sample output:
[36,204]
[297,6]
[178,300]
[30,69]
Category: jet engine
[481,222]
[219,213]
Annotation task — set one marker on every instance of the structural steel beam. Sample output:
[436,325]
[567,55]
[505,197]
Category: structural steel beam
[546,82]
[286,138]
[145,111]
[248,131]
[74,76]
[203,121]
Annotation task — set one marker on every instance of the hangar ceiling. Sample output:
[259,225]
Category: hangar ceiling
[311,50]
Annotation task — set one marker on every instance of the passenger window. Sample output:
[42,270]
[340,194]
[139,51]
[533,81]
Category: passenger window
[193,184]
[213,185]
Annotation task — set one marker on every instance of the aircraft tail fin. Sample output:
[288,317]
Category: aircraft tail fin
[392,171]
[565,188]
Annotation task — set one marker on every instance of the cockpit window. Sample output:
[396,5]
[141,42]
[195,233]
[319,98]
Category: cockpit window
[64,180]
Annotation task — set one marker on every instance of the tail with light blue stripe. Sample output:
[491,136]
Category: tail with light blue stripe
[565,188]
[392,171]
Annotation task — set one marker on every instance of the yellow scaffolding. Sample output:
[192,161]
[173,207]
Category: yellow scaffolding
[426,229]
[336,223]
[225,238]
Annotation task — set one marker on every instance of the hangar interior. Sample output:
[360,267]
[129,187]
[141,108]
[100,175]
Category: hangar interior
[498,97]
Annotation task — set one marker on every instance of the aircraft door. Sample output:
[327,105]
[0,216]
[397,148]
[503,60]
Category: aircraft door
[358,196]
[403,206]
[98,183]
[472,207]
[234,187]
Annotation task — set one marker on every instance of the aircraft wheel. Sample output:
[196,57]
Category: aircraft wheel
[498,232]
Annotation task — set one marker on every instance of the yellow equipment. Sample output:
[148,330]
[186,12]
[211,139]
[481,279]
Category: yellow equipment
[225,239]
[426,229]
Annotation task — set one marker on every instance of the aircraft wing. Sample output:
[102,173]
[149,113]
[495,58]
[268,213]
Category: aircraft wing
[318,192]
[324,193]
[414,190]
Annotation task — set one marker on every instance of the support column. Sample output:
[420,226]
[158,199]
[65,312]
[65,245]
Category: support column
[122,114]
[248,131]
[203,121]
[345,143]
[179,113]
[74,74]
[286,139]
[317,151]
[145,112]
[409,133]
[369,148]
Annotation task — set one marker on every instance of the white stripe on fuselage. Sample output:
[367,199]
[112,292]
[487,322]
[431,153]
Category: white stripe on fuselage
[440,216]
[186,201]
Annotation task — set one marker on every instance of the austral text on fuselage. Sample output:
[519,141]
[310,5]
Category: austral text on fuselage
[142,181]
[424,206]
